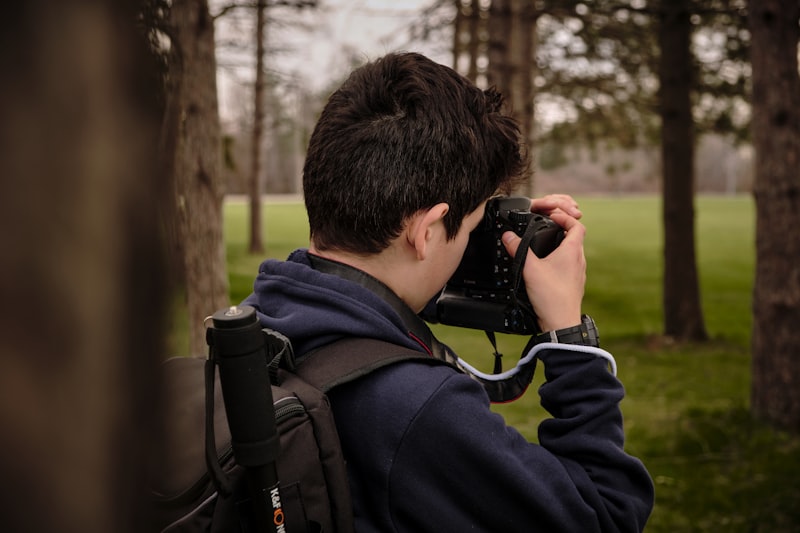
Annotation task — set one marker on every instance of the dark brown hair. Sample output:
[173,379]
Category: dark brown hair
[402,134]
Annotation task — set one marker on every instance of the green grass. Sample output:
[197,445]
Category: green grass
[285,228]
[686,409]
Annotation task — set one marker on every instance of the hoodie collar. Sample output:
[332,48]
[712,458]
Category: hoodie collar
[416,327]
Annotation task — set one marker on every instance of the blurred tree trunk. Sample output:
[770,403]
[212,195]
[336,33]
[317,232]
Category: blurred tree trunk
[468,27]
[459,23]
[776,137]
[193,151]
[520,90]
[83,271]
[256,168]
[512,33]
[477,26]
[499,29]
[683,317]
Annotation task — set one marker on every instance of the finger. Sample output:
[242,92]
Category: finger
[562,202]
[511,241]
[573,229]
[553,203]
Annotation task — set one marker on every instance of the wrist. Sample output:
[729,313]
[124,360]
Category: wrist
[565,320]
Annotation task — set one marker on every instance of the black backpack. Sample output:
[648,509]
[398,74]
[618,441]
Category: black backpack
[201,485]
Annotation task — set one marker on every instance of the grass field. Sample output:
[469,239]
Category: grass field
[686,408]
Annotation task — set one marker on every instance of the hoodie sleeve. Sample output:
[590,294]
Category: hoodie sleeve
[461,468]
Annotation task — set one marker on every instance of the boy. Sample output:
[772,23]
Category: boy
[399,169]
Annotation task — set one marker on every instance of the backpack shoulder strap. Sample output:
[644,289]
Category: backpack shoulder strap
[351,358]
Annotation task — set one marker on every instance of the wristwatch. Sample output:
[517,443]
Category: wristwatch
[584,334]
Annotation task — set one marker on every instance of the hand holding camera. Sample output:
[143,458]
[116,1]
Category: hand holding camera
[555,284]
[492,288]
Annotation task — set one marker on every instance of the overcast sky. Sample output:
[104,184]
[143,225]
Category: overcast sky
[314,56]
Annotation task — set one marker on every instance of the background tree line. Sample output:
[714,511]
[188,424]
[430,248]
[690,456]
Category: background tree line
[121,98]
[625,73]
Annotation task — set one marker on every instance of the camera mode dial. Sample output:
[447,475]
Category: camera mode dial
[518,216]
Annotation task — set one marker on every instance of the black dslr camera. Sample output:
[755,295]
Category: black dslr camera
[486,291]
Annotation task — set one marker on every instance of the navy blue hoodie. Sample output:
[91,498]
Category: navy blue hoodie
[425,452]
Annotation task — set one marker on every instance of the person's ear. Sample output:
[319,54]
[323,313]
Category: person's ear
[423,228]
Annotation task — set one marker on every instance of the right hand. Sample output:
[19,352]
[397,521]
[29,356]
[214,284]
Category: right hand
[555,284]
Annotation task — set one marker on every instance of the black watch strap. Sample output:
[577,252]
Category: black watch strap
[584,334]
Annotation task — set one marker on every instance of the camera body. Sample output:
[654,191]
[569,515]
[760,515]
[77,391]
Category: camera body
[483,292]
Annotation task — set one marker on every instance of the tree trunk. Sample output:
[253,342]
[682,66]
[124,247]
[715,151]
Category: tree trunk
[499,28]
[256,237]
[534,18]
[458,28]
[467,33]
[476,27]
[521,59]
[82,273]
[683,317]
[776,137]
[192,129]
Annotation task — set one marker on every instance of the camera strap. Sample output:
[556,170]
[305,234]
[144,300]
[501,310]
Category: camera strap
[415,325]
[498,357]
[510,386]
[504,387]
[516,271]
[513,384]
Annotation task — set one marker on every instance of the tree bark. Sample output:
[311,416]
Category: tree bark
[683,316]
[521,59]
[458,28]
[82,275]
[192,141]
[256,238]
[499,28]
[475,46]
[468,27]
[775,127]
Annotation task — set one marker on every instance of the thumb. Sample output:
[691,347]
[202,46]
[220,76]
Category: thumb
[511,242]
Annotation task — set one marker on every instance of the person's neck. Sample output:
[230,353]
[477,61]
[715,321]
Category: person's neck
[390,267]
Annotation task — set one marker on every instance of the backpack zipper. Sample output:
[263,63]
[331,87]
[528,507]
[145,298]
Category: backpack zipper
[287,408]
